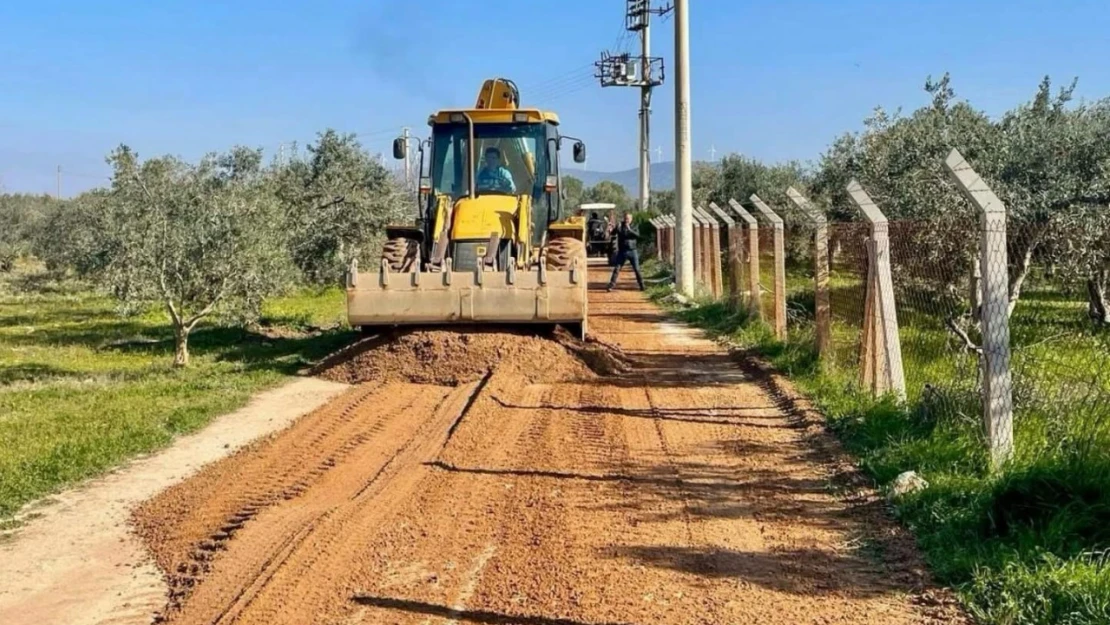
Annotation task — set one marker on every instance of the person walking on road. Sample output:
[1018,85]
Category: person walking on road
[626,235]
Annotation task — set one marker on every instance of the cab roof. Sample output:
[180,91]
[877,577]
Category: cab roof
[492,116]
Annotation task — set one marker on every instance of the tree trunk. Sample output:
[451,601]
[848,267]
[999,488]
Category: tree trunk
[975,290]
[181,346]
[1097,305]
[1021,271]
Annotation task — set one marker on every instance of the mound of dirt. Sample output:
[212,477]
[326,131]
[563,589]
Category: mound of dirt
[601,357]
[450,358]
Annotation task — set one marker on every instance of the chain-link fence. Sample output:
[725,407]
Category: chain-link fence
[1059,335]
[919,308]
[934,269]
[847,286]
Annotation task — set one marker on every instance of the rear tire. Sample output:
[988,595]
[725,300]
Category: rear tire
[561,253]
[401,254]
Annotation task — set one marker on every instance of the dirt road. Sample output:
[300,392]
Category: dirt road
[543,493]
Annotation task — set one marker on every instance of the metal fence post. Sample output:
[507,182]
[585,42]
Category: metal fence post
[779,290]
[755,296]
[823,309]
[733,252]
[998,407]
[881,348]
[714,247]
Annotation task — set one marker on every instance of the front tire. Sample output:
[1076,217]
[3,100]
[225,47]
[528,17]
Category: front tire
[562,252]
[401,254]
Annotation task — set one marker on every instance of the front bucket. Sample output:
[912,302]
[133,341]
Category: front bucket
[385,298]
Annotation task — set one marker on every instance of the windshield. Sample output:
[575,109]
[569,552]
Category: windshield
[511,159]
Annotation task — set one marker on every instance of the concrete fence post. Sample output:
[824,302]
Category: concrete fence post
[671,224]
[822,307]
[714,247]
[881,347]
[658,236]
[754,293]
[734,254]
[701,250]
[998,406]
[779,290]
[665,238]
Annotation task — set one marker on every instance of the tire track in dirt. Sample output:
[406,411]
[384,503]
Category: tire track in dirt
[677,493]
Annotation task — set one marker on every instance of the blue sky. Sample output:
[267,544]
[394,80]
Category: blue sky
[774,80]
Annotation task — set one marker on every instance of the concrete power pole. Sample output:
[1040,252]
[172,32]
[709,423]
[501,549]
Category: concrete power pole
[684,196]
[645,72]
[645,108]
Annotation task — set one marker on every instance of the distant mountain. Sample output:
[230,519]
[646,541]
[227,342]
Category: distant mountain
[662,177]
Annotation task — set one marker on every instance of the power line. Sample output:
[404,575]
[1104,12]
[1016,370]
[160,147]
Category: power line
[558,91]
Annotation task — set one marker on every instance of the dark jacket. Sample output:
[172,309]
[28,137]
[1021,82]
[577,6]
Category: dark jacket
[627,235]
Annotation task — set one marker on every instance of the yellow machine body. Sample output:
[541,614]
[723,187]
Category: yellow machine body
[479,256]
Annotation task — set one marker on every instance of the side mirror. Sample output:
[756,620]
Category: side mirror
[579,152]
[399,151]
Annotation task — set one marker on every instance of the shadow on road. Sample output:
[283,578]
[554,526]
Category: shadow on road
[466,616]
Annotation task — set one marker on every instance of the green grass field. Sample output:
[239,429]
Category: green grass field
[1029,544]
[82,389]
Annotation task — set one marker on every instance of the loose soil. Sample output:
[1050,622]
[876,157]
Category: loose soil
[496,479]
[454,357]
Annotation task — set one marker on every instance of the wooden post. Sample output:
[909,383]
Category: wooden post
[715,278]
[823,309]
[881,348]
[998,406]
[755,294]
[734,254]
[779,290]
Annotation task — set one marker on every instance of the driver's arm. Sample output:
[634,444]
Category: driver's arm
[508,179]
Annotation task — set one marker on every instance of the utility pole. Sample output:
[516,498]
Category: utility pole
[645,72]
[59,195]
[659,153]
[645,103]
[281,154]
[684,196]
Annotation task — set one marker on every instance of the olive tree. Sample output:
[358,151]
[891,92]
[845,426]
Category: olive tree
[609,192]
[199,239]
[73,237]
[900,161]
[1053,173]
[21,219]
[573,192]
[337,202]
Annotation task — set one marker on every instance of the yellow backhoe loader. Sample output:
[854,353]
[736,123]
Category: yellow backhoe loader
[490,243]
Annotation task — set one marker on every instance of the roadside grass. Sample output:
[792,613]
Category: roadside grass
[1028,544]
[82,389]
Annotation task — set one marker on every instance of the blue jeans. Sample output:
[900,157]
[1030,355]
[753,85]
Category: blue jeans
[630,256]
